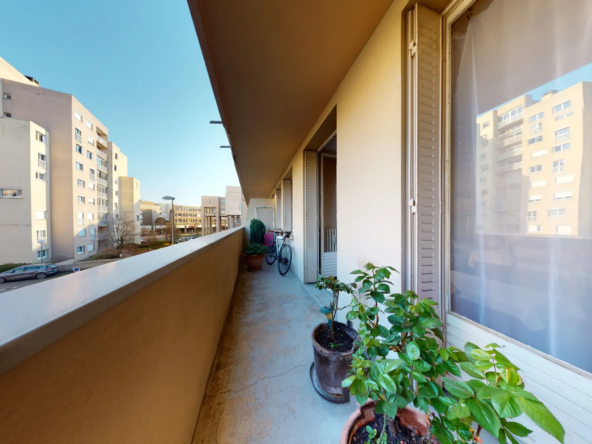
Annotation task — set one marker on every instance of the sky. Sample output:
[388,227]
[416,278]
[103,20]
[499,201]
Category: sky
[137,66]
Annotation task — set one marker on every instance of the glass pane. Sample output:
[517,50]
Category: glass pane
[521,218]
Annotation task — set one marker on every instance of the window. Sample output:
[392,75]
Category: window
[78,149]
[564,116]
[562,134]
[80,183]
[40,136]
[77,116]
[534,198]
[534,140]
[91,201]
[80,215]
[535,169]
[485,168]
[483,180]
[80,250]
[485,125]
[90,216]
[538,183]
[82,233]
[8,115]
[89,155]
[559,148]
[115,167]
[115,181]
[563,195]
[79,166]
[136,184]
[80,199]
[11,193]
[7,96]
[91,186]
[563,229]
[562,106]
[41,157]
[564,179]
[93,234]
[531,216]
[510,116]
[539,153]
[536,117]
[483,192]
[88,124]
[138,218]
[41,234]
[40,176]
[115,156]
[117,193]
[483,156]
[78,135]
[42,254]
[558,166]
[557,212]
[41,215]
[91,247]
[534,229]
[536,128]
[115,205]
[91,140]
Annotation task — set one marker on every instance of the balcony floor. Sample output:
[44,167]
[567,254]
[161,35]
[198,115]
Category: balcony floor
[259,390]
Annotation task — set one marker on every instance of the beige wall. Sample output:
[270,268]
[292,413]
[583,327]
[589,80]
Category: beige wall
[19,151]
[369,163]
[7,71]
[136,373]
[129,190]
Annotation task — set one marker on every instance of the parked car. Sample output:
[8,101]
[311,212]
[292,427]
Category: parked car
[28,272]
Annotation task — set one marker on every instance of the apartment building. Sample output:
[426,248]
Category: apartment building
[129,202]
[25,192]
[234,201]
[530,155]
[150,213]
[84,166]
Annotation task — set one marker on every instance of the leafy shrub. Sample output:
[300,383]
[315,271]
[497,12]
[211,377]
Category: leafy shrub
[255,249]
[106,253]
[257,231]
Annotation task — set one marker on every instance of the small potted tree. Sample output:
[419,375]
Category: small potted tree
[255,252]
[385,387]
[333,346]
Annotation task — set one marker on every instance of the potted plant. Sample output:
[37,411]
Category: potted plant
[256,231]
[254,255]
[493,396]
[333,346]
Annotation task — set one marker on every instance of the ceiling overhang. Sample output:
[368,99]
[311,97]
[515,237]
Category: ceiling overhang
[274,66]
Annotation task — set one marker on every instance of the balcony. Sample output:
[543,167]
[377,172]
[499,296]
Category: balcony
[512,119]
[102,182]
[101,141]
[102,168]
[102,155]
[512,139]
[102,195]
[508,168]
[516,151]
[124,361]
[42,163]
[103,209]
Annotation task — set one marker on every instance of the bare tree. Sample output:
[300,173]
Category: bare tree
[167,232]
[121,231]
[151,239]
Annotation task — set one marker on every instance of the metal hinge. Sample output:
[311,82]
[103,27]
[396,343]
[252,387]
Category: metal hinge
[413,205]
[412,47]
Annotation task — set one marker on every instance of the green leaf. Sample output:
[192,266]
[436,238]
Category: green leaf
[348,381]
[390,409]
[387,382]
[470,370]
[383,331]
[512,439]
[485,416]
[505,404]
[431,323]
[452,368]
[357,272]
[413,350]
[458,411]
[384,288]
[418,376]
[542,417]
[502,437]
[438,333]
[377,296]
[421,403]
[351,315]
[469,347]
[493,345]
[480,355]
[418,331]
[421,366]
[521,393]
[475,384]
[428,302]
[362,398]
[443,435]
[392,364]
[427,391]
[518,429]
[458,389]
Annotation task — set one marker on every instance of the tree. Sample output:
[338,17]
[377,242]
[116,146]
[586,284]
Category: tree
[151,238]
[167,232]
[121,231]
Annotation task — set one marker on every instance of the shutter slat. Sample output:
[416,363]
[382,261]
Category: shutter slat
[311,231]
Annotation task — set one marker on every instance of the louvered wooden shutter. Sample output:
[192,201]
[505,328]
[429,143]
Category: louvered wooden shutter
[311,218]
[278,208]
[287,203]
[424,155]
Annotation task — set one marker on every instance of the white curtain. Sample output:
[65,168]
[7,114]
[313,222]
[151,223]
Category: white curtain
[521,218]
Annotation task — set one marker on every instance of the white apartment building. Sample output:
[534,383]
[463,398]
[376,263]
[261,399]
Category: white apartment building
[84,166]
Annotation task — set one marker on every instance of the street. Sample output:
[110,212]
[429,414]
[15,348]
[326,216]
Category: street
[13,285]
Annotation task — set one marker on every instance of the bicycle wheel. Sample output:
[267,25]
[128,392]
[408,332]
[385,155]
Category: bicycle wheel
[270,255]
[285,259]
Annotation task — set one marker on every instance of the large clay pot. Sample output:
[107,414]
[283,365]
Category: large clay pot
[331,367]
[254,263]
[408,417]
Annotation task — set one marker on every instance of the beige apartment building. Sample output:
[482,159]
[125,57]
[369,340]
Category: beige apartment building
[25,193]
[529,157]
[84,166]
[151,212]
[129,200]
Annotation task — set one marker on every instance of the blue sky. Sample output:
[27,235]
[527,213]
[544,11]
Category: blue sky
[137,66]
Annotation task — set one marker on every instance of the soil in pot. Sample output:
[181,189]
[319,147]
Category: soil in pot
[340,341]
[401,436]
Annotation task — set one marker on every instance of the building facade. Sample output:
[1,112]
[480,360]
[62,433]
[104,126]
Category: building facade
[84,167]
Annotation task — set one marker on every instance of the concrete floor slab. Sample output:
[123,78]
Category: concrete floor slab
[259,390]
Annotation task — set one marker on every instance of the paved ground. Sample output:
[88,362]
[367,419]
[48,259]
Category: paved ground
[13,285]
[260,390]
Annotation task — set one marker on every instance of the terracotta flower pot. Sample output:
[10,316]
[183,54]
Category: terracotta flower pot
[254,263]
[408,417]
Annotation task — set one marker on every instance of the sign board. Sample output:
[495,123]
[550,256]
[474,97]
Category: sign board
[75,269]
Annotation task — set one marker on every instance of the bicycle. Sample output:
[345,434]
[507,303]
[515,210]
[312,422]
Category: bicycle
[278,249]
